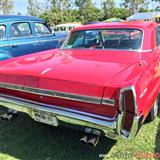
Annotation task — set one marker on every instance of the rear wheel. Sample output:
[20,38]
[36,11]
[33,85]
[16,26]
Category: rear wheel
[154,111]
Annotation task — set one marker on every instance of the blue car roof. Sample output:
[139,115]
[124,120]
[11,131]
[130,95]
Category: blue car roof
[7,18]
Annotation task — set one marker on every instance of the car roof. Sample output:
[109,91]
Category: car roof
[133,24]
[7,18]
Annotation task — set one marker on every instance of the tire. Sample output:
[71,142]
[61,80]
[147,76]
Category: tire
[154,111]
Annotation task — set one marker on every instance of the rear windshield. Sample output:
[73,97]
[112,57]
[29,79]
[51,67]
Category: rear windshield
[122,39]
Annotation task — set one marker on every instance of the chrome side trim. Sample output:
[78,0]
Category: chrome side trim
[66,115]
[109,102]
[11,98]
[55,94]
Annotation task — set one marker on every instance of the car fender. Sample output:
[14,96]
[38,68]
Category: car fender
[143,81]
[5,55]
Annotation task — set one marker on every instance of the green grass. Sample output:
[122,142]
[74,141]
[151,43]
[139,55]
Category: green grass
[25,139]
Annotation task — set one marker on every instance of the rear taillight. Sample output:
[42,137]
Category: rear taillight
[128,107]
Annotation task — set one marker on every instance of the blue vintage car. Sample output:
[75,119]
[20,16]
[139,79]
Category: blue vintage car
[20,35]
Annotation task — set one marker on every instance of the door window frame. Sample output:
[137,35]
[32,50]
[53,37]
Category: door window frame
[44,25]
[5,33]
[23,37]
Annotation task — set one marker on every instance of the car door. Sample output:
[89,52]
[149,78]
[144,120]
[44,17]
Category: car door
[46,40]
[21,39]
[4,46]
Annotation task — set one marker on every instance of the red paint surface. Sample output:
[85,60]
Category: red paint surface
[95,73]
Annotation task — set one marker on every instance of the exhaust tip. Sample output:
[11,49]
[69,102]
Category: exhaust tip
[84,140]
[90,140]
[93,141]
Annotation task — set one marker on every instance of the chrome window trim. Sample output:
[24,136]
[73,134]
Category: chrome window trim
[20,22]
[105,28]
[50,34]
[57,94]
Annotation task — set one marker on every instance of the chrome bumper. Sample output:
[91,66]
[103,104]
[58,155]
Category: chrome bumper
[110,127]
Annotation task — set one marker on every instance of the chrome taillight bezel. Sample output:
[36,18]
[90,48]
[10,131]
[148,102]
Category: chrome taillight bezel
[122,131]
[122,108]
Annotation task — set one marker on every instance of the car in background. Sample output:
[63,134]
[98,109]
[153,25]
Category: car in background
[92,22]
[105,79]
[64,28]
[20,35]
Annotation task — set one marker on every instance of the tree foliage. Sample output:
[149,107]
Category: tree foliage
[33,7]
[6,6]
[87,11]
[63,11]
[108,8]
[135,5]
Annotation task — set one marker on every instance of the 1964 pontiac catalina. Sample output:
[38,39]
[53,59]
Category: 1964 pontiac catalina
[105,79]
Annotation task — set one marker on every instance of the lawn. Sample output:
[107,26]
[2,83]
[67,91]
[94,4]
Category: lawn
[25,139]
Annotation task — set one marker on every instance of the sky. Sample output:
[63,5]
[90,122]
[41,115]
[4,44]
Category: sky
[21,5]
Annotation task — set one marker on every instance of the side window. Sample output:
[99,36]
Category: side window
[158,36]
[20,30]
[75,40]
[2,31]
[42,29]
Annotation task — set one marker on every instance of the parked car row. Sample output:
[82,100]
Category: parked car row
[65,27]
[104,79]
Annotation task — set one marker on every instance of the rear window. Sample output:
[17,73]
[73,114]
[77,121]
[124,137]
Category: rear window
[2,31]
[42,29]
[122,39]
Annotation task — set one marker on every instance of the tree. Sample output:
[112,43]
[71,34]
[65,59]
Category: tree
[121,13]
[6,6]
[157,3]
[33,8]
[135,5]
[60,11]
[87,11]
[108,6]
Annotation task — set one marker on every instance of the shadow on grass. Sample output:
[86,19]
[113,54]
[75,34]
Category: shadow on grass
[157,141]
[26,139]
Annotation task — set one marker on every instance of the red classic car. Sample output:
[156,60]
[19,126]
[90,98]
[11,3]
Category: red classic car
[105,79]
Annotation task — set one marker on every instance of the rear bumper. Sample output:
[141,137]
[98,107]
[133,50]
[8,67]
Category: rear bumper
[110,127]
